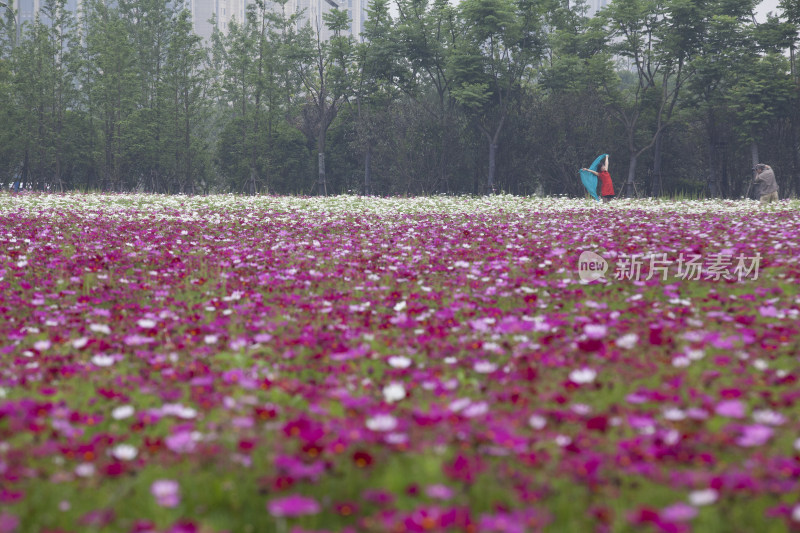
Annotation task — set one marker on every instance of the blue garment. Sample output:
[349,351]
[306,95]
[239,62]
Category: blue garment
[590,180]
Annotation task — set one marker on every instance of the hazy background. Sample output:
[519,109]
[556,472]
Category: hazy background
[765,7]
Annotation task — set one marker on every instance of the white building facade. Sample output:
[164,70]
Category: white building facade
[314,9]
[226,11]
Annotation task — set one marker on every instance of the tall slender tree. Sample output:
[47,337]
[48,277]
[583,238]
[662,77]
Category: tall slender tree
[151,24]
[504,42]
[374,87]
[323,67]
[185,85]
[427,32]
[112,88]
[654,39]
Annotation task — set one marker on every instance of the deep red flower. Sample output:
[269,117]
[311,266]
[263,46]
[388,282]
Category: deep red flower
[597,423]
[362,459]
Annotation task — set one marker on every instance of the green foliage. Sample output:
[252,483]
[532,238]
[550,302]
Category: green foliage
[433,97]
[753,112]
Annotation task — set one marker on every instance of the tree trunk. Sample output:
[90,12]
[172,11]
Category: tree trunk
[795,150]
[754,157]
[711,180]
[657,187]
[187,139]
[794,119]
[321,159]
[629,186]
[25,170]
[368,169]
[492,164]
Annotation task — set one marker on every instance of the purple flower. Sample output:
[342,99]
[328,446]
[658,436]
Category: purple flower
[8,523]
[731,409]
[754,435]
[181,442]
[678,512]
[294,505]
[439,492]
[166,492]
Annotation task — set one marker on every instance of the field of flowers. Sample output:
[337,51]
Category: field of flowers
[388,365]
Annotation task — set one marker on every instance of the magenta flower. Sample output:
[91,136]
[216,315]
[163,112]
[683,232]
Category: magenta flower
[166,492]
[678,512]
[294,505]
[731,409]
[754,435]
[8,523]
[439,492]
[181,442]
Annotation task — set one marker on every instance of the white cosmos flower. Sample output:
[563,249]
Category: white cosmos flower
[628,341]
[674,414]
[595,331]
[703,497]
[396,438]
[124,452]
[146,323]
[100,328]
[484,367]
[581,409]
[211,339]
[383,422]
[563,440]
[768,417]
[399,361]
[458,405]
[84,470]
[476,409]
[102,360]
[80,343]
[582,375]
[695,355]
[681,362]
[796,513]
[179,410]
[537,421]
[42,345]
[121,412]
[394,392]
[399,306]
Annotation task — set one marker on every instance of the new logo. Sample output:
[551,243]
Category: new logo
[591,266]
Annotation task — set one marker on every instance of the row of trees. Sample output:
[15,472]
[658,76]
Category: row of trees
[489,95]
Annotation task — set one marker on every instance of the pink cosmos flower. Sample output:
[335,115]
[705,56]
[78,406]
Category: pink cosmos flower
[731,409]
[439,492]
[294,505]
[8,523]
[166,492]
[678,512]
[754,435]
[181,442]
